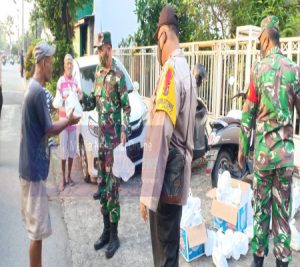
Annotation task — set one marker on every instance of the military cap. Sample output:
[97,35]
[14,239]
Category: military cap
[270,22]
[103,38]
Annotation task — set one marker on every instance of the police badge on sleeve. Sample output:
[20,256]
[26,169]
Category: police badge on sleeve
[166,94]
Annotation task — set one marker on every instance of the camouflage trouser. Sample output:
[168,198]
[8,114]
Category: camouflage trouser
[108,184]
[272,193]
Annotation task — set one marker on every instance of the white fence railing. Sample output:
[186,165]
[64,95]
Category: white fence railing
[222,59]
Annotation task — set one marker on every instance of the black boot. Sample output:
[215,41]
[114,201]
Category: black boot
[104,238]
[257,261]
[280,263]
[96,196]
[114,242]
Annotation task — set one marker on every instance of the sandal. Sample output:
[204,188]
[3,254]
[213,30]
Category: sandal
[71,182]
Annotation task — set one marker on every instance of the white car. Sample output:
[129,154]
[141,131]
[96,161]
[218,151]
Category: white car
[87,128]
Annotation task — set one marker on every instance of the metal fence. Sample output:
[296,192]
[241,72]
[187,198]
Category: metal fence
[222,59]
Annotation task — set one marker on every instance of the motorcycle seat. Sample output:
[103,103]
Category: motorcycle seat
[230,120]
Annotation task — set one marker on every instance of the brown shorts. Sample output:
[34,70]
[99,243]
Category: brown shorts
[35,209]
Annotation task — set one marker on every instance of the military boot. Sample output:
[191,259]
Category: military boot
[257,261]
[280,263]
[96,196]
[114,242]
[104,238]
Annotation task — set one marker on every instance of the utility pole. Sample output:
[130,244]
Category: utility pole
[23,25]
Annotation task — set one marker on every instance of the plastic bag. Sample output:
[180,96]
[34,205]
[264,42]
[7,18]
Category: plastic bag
[249,232]
[224,188]
[295,240]
[224,181]
[236,196]
[227,243]
[240,245]
[72,102]
[210,243]
[243,240]
[58,100]
[123,167]
[191,212]
[218,258]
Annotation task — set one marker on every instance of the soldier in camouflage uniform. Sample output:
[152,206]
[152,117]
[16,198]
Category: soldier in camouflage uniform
[110,97]
[274,91]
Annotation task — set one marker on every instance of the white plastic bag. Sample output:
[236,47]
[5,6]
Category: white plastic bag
[58,100]
[236,252]
[243,239]
[224,189]
[191,212]
[123,167]
[236,196]
[240,245]
[210,243]
[224,181]
[227,243]
[72,102]
[295,240]
[218,258]
[249,232]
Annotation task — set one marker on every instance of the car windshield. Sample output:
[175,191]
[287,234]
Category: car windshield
[87,76]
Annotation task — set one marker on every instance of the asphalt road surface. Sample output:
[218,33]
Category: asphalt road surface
[14,243]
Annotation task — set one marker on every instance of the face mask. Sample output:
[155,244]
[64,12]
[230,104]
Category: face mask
[159,50]
[104,59]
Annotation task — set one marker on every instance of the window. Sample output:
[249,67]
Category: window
[87,76]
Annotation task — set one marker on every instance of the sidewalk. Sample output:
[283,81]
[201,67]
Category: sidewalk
[84,223]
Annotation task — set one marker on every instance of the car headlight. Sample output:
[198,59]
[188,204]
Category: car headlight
[93,127]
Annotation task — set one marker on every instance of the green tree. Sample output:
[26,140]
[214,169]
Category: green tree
[212,19]
[245,12]
[8,28]
[59,17]
[3,42]
[190,21]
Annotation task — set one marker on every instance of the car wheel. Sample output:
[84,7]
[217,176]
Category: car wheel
[138,169]
[222,163]
[84,161]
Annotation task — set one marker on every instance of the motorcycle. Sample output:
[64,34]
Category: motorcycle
[223,143]
[200,131]
[3,60]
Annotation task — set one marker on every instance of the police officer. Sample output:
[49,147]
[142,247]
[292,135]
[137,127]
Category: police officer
[110,97]
[169,142]
[274,91]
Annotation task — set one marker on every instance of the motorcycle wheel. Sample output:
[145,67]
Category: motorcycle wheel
[222,163]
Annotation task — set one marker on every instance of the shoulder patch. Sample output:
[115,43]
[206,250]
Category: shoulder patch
[252,94]
[166,94]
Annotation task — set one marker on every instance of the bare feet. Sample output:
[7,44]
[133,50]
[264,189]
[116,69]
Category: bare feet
[62,185]
[70,181]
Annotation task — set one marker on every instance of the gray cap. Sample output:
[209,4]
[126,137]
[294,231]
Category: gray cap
[42,50]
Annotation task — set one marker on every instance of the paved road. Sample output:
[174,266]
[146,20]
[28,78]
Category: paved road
[13,238]
[84,224]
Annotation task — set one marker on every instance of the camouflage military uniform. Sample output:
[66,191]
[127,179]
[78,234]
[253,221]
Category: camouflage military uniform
[274,91]
[110,97]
